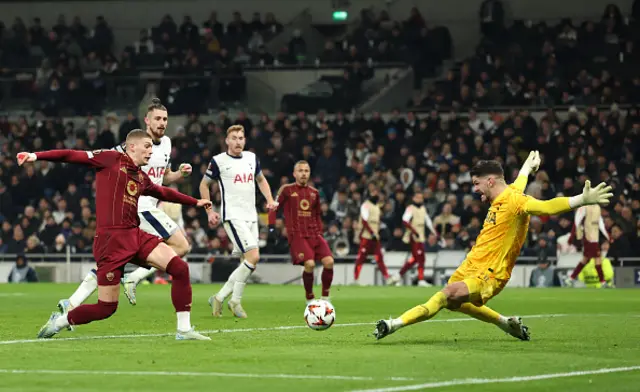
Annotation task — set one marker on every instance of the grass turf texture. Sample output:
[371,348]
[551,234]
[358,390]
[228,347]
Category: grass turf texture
[592,329]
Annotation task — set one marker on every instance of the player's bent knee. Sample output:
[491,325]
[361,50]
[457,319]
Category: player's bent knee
[252,256]
[309,266]
[328,262]
[106,309]
[179,244]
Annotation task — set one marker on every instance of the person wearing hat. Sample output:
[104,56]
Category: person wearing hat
[21,272]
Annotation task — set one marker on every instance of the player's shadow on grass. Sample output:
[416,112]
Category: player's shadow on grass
[448,342]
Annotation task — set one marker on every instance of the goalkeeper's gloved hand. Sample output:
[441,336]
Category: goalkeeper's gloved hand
[598,195]
[531,165]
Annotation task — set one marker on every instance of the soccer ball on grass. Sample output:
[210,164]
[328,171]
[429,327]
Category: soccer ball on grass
[319,314]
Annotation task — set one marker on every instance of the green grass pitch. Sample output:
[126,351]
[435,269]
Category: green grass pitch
[573,331]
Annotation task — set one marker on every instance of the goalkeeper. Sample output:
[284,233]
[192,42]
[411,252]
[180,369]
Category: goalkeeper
[488,265]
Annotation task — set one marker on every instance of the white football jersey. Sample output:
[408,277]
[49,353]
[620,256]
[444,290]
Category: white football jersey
[159,162]
[236,177]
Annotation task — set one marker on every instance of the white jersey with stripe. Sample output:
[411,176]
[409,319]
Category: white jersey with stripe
[236,177]
[158,163]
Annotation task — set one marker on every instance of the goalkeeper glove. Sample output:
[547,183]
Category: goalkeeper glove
[598,195]
[531,165]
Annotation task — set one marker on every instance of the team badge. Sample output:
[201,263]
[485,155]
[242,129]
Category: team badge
[304,204]
[110,276]
[132,188]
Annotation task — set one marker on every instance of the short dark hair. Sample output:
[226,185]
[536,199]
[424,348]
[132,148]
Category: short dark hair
[485,167]
[156,104]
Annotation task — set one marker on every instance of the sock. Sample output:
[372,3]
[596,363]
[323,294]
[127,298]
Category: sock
[577,270]
[86,288]
[425,311]
[327,278]
[240,277]
[357,270]
[85,314]
[307,281]
[420,261]
[184,321]
[227,288]
[486,314]
[407,266]
[600,273]
[141,273]
[381,265]
[181,294]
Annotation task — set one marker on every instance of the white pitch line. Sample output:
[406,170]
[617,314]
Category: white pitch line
[476,381]
[202,374]
[235,330]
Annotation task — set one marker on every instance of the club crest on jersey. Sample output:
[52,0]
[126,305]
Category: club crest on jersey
[304,204]
[157,172]
[243,178]
[132,188]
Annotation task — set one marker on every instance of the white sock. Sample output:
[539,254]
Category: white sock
[226,290]
[242,274]
[397,324]
[86,288]
[184,321]
[62,322]
[504,323]
[141,273]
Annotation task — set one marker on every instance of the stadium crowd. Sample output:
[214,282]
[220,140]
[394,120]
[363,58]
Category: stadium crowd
[45,206]
[539,64]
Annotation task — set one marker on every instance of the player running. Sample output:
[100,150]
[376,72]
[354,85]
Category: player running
[369,223]
[152,219]
[119,240]
[415,219]
[587,228]
[487,267]
[237,172]
[302,217]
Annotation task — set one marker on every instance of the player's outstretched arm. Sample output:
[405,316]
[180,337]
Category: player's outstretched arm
[96,158]
[529,167]
[598,195]
[167,194]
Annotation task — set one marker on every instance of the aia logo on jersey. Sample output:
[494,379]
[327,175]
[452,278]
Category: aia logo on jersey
[243,178]
[157,172]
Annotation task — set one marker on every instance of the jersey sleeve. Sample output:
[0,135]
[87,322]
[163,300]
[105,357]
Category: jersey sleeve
[364,212]
[97,159]
[213,171]
[580,214]
[165,193]
[121,148]
[406,217]
[258,167]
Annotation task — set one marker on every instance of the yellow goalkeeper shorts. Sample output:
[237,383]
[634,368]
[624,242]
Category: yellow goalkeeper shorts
[482,286]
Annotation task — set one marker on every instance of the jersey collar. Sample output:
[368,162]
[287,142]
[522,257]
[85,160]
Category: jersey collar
[235,157]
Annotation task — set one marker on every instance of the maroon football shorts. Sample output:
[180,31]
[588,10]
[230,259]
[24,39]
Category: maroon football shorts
[369,247]
[303,249]
[113,248]
[590,249]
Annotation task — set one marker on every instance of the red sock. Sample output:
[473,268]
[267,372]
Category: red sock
[84,314]
[600,273]
[307,280]
[407,266]
[181,294]
[327,278]
[381,266]
[356,271]
[420,261]
[577,270]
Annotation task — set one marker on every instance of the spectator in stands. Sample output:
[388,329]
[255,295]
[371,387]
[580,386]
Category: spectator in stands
[22,272]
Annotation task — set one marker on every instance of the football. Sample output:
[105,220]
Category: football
[319,315]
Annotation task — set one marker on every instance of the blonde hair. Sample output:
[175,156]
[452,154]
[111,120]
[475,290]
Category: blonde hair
[235,128]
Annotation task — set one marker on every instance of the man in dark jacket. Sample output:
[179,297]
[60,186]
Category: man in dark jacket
[21,272]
